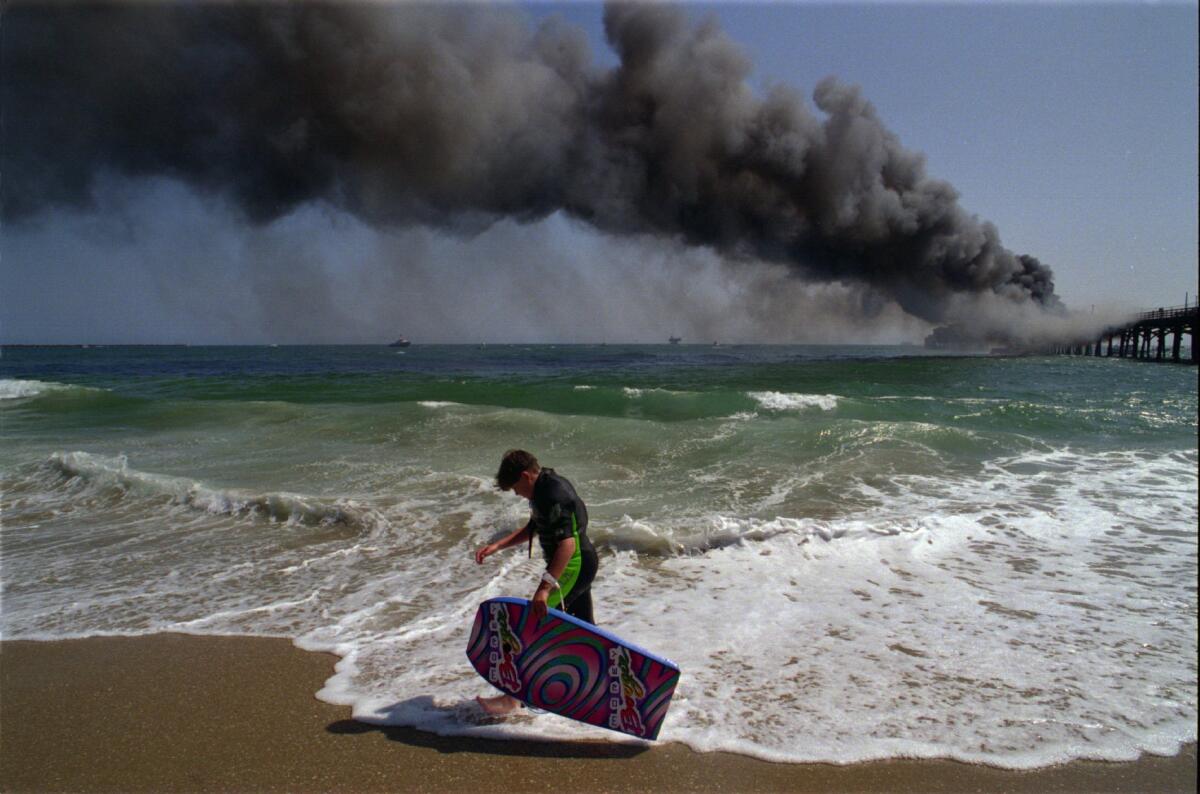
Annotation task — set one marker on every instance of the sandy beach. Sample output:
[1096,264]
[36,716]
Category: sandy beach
[182,713]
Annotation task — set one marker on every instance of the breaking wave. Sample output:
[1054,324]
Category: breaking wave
[115,475]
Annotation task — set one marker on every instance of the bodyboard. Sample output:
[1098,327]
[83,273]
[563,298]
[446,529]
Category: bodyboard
[572,668]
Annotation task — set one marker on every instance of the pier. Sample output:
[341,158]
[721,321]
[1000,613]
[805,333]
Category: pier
[1143,337]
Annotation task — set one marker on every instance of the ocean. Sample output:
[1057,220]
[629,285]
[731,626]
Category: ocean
[851,552]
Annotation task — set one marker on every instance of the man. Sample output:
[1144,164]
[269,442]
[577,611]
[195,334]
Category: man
[559,519]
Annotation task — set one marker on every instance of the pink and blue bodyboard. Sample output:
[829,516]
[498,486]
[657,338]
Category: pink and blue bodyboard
[569,667]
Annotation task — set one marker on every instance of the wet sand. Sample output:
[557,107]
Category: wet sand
[179,713]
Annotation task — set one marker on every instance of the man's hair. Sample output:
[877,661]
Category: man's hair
[514,462]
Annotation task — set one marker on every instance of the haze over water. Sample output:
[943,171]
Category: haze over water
[851,553]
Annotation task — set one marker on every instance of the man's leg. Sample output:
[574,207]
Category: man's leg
[581,607]
[500,704]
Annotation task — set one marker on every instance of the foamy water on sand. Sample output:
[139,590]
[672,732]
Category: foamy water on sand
[850,554]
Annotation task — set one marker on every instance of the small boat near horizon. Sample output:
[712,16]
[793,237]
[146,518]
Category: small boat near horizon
[675,339]
[401,342]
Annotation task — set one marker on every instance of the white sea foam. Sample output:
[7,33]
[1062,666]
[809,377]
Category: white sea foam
[437,404]
[779,401]
[742,416]
[870,637]
[15,389]
[696,535]
[996,634]
[634,393]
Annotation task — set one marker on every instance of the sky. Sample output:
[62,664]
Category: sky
[1072,128]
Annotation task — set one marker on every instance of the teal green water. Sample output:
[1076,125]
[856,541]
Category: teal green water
[258,417]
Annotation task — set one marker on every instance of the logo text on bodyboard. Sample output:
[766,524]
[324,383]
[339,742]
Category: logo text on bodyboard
[626,692]
[502,670]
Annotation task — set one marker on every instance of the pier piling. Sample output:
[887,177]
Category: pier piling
[1142,337]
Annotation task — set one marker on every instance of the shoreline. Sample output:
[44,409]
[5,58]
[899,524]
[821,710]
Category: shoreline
[180,712]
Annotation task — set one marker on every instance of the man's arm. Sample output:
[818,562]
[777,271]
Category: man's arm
[519,536]
[558,564]
[562,556]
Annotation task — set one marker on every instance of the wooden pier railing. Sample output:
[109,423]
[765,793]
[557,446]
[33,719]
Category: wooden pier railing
[1143,336]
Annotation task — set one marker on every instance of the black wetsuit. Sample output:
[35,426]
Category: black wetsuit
[557,513]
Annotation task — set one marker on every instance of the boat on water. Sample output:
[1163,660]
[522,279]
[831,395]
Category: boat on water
[675,340]
[401,342]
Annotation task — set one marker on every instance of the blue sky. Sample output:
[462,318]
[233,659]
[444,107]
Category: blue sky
[1071,127]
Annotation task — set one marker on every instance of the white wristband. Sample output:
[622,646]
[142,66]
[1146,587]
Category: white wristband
[548,579]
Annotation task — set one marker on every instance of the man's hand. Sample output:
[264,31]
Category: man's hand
[485,551]
[539,604]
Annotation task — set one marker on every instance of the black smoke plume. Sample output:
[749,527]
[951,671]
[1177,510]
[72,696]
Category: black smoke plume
[457,116]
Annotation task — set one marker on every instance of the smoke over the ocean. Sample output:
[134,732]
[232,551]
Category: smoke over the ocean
[457,117]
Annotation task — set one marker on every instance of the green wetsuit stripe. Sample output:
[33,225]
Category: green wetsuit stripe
[570,574]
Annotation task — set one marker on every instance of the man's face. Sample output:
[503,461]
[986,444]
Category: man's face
[524,484]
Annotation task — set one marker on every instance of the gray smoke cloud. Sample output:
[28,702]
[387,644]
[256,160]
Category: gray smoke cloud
[457,117]
[158,262]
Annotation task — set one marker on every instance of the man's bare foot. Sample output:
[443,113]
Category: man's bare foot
[501,704]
